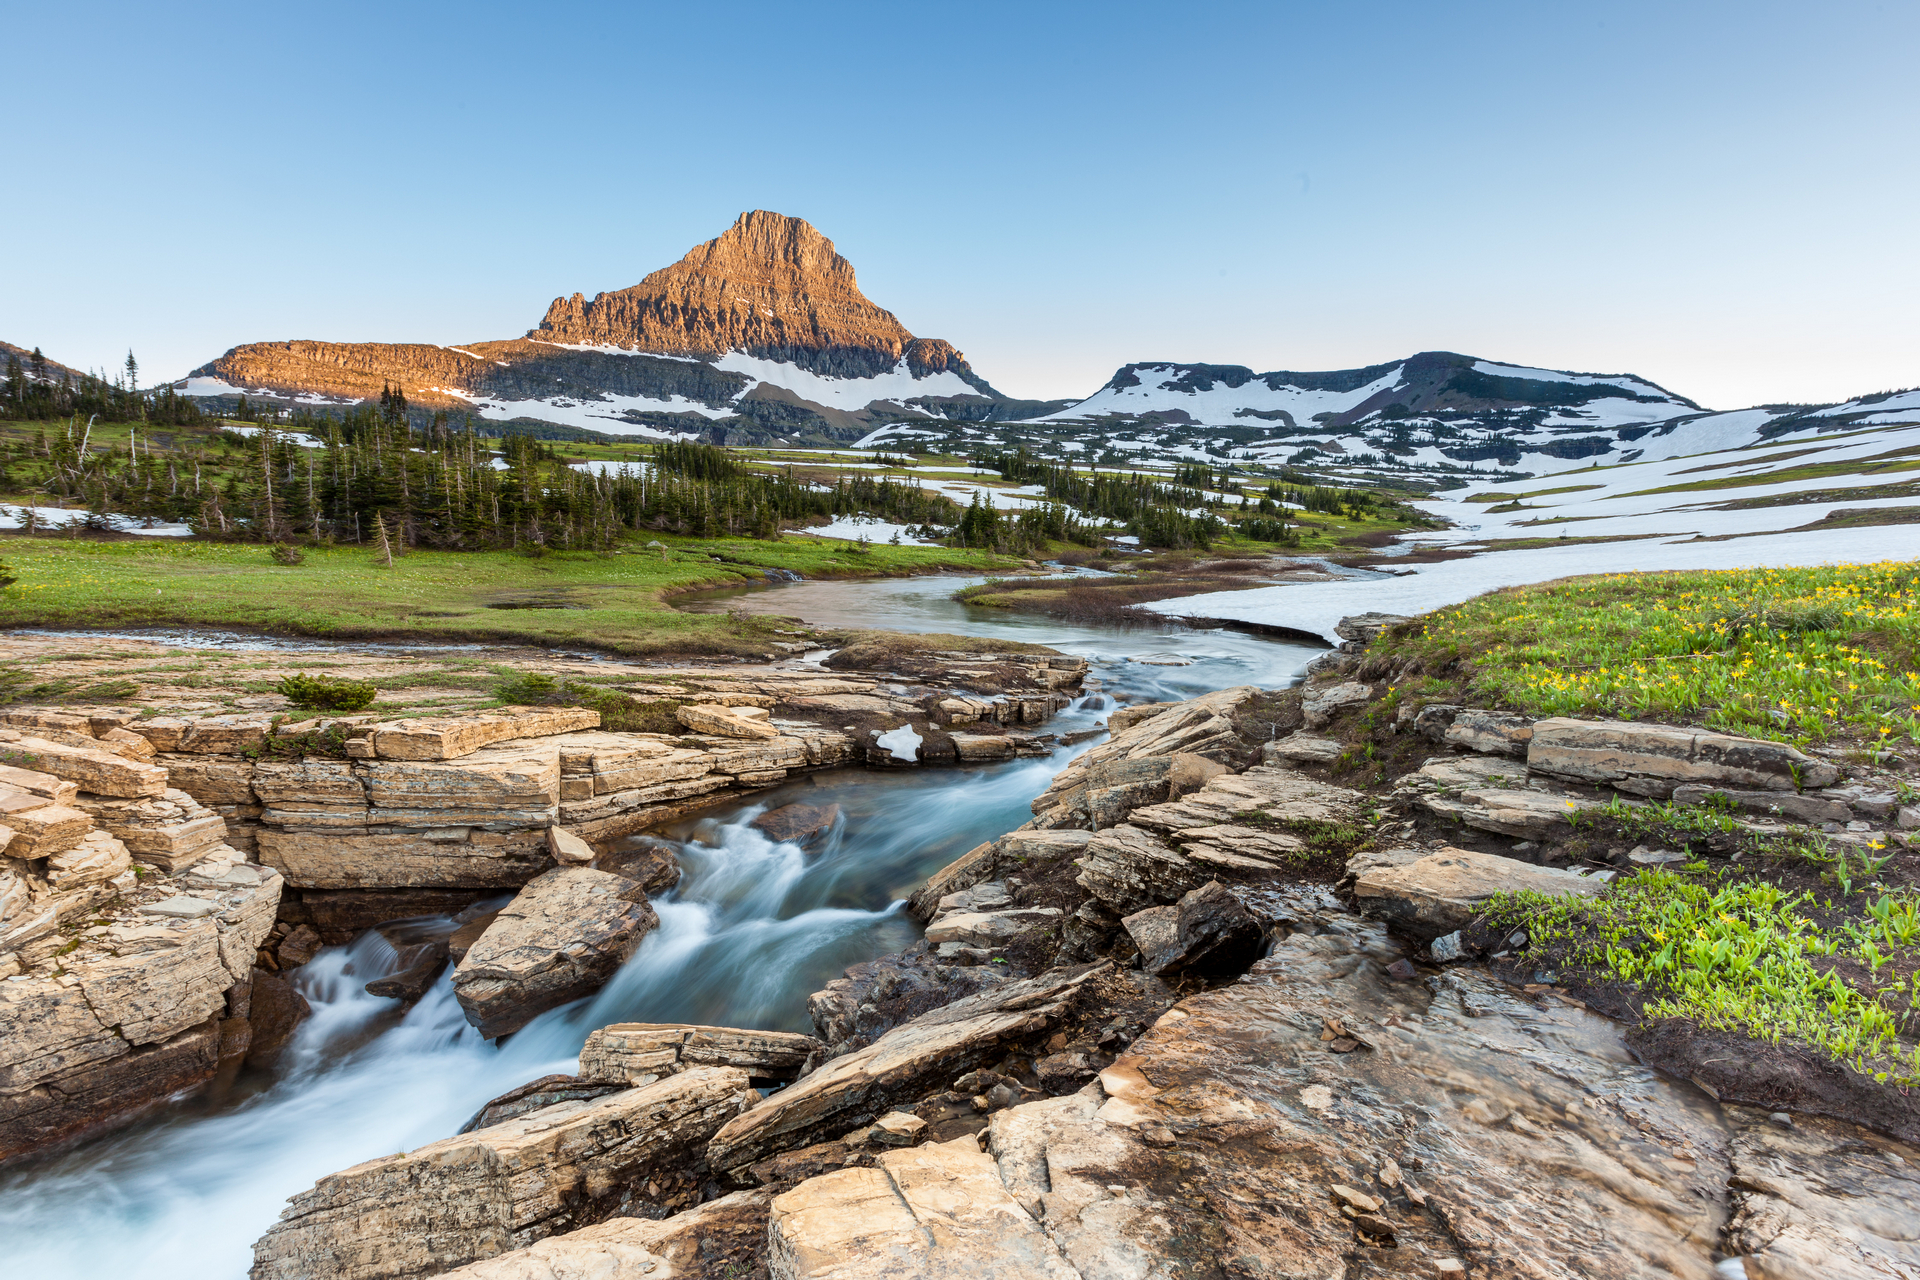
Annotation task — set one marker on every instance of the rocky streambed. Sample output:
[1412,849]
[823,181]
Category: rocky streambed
[1212,1010]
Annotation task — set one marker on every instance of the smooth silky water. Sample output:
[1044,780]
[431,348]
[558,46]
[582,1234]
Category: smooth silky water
[752,928]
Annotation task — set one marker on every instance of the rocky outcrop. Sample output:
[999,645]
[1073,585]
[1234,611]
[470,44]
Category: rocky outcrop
[771,286]
[721,1238]
[938,1211]
[1445,890]
[561,938]
[902,1065]
[133,1009]
[504,1187]
[1136,766]
[1652,759]
[640,1052]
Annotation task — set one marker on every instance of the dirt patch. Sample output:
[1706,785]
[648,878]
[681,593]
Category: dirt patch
[1778,1077]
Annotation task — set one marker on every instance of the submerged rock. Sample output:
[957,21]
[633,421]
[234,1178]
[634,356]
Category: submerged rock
[797,823]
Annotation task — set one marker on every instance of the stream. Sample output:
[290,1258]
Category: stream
[752,928]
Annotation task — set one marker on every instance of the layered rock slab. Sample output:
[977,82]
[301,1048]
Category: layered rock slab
[902,1065]
[717,1239]
[561,937]
[481,1194]
[938,1211]
[1443,891]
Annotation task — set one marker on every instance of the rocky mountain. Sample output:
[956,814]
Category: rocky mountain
[759,335]
[47,369]
[1433,416]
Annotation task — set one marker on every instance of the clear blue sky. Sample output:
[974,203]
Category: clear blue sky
[1723,197]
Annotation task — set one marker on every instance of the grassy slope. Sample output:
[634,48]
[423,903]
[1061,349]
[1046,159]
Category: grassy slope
[1789,937]
[617,603]
[1803,655]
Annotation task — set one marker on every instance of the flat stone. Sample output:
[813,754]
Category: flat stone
[988,928]
[181,907]
[728,722]
[720,1238]
[1301,748]
[940,1212]
[451,737]
[1321,703]
[623,1050]
[1443,891]
[1652,759]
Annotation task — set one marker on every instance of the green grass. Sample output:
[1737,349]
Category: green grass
[1736,956]
[1801,655]
[1879,464]
[619,603]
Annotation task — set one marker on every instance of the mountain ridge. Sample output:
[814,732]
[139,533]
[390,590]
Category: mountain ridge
[758,335]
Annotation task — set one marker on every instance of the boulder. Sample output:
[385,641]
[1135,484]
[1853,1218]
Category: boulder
[654,865]
[1321,703]
[97,858]
[728,722]
[1445,890]
[1491,732]
[938,1212]
[625,1052]
[1301,748]
[45,829]
[1128,869]
[981,863]
[797,823]
[988,928]
[504,1187]
[721,1238]
[1208,933]
[131,1014]
[561,938]
[901,1066]
[568,849]
[1364,628]
[1653,759]
[31,784]
[1276,795]
[1524,815]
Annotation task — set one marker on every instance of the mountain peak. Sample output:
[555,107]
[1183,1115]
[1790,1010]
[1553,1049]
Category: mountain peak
[770,286]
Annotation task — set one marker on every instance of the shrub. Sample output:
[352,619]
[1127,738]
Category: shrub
[6,575]
[526,688]
[327,693]
[284,554]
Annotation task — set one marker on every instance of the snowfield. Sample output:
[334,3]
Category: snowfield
[1317,606]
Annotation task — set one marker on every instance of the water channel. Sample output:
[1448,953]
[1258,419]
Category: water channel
[751,929]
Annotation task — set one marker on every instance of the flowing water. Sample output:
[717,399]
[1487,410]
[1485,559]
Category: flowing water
[752,928]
